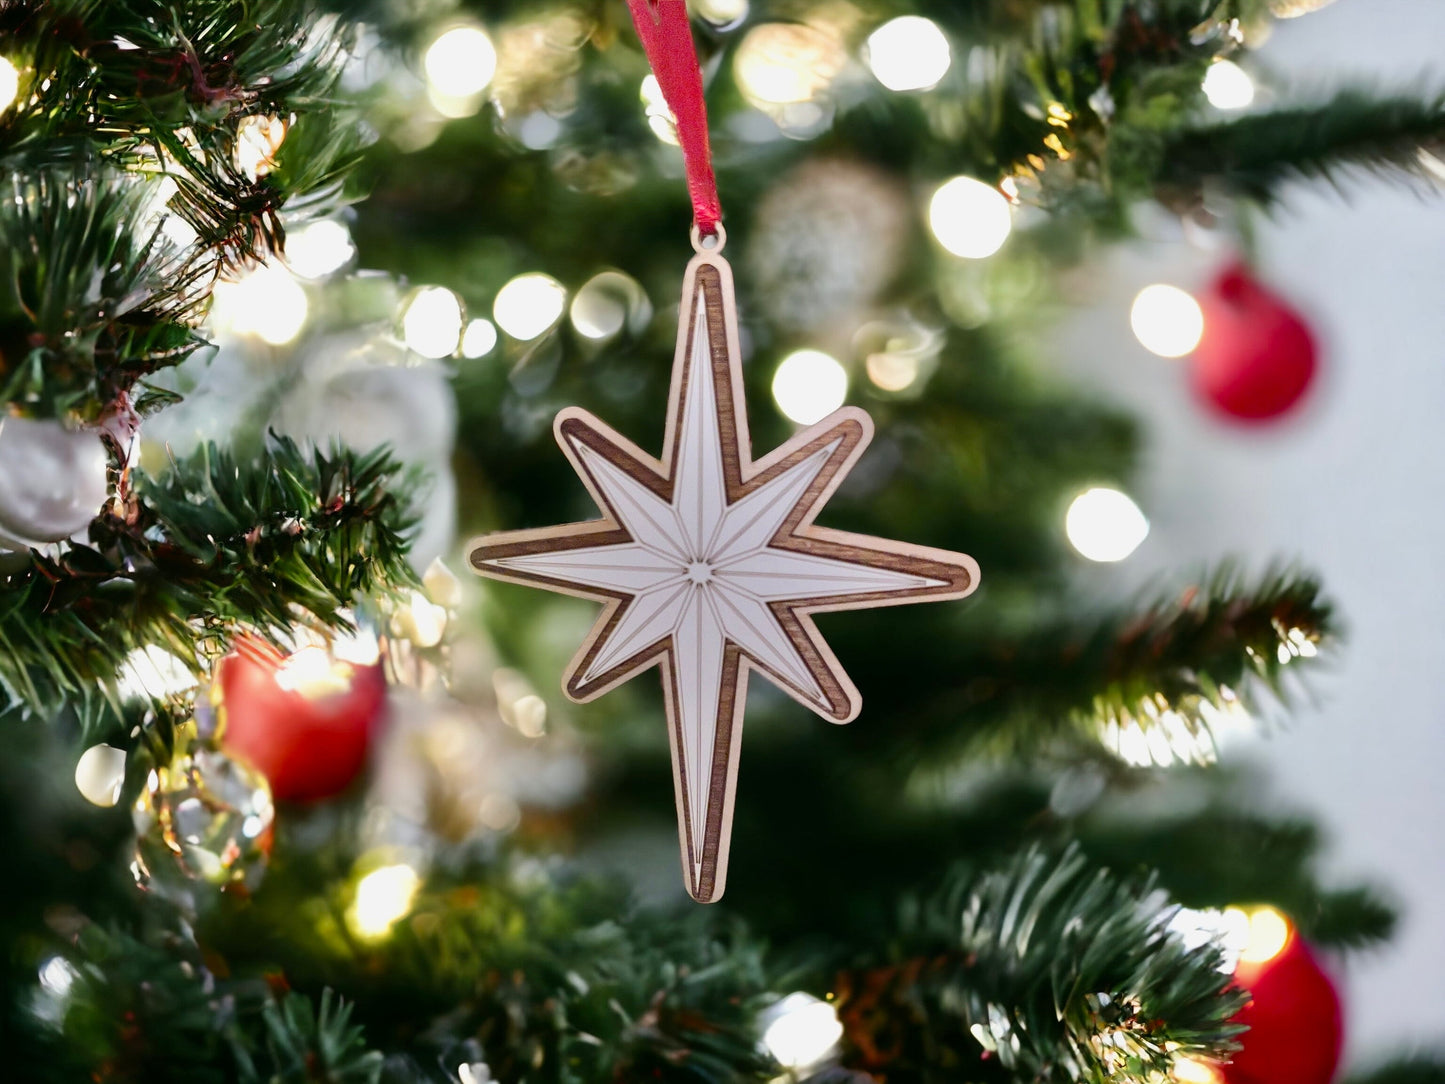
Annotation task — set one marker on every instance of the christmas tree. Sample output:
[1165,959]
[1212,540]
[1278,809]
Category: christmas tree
[291,295]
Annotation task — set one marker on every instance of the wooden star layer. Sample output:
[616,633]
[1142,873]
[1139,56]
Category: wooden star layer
[710,566]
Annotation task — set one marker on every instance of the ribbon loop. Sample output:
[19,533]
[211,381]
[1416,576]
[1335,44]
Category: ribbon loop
[667,40]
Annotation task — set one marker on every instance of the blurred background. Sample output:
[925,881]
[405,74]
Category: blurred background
[1348,486]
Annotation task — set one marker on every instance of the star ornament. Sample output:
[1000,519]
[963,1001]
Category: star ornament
[710,567]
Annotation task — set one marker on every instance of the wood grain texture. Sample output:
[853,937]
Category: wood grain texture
[709,565]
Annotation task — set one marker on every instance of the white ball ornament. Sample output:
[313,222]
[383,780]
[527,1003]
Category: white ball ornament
[52,481]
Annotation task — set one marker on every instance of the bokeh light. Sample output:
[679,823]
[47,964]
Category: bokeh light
[908,53]
[1105,525]
[319,248]
[267,302]
[9,83]
[479,339]
[1166,320]
[258,138]
[892,372]
[800,1030]
[655,108]
[460,63]
[1228,86]
[100,774]
[383,897]
[1187,1070]
[608,303]
[809,385]
[970,218]
[722,12]
[432,323]
[529,305]
[1268,934]
[786,63]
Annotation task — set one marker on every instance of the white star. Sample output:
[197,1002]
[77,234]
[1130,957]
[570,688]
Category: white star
[710,563]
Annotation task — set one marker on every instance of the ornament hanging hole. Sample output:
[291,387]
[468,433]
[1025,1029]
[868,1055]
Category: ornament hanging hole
[709,243]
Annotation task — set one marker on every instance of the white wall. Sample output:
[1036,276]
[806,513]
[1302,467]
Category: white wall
[1352,487]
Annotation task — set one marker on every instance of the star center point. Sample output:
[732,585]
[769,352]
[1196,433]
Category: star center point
[699,572]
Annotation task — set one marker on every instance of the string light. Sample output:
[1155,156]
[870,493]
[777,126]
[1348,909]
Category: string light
[800,1030]
[1228,86]
[809,385]
[432,322]
[1105,525]
[319,248]
[9,83]
[969,218]
[908,53]
[529,305]
[383,897]
[100,774]
[1166,320]
[518,703]
[459,65]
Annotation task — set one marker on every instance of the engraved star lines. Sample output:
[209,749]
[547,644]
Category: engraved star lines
[710,566]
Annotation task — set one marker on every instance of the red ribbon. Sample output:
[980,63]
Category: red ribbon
[667,39]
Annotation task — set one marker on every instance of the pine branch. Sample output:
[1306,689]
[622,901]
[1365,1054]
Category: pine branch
[217,114]
[211,546]
[1151,684]
[309,1045]
[1257,155]
[1048,970]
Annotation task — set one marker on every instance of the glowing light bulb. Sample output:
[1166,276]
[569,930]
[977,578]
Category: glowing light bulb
[268,303]
[1105,525]
[100,774]
[9,83]
[809,385]
[908,53]
[800,1031]
[1228,86]
[432,322]
[57,975]
[1166,320]
[1187,1070]
[316,250]
[313,673]
[383,897]
[258,138]
[1269,933]
[786,63]
[152,672]
[529,305]
[460,63]
[480,338]
[969,218]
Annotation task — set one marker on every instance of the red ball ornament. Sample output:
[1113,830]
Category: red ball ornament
[1294,1019]
[1257,357]
[305,721]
